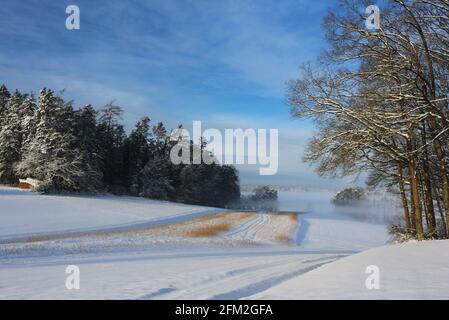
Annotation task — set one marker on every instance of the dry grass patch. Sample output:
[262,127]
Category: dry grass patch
[281,228]
[37,238]
[210,226]
[283,238]
[293,217]
[205,226]
[210,230]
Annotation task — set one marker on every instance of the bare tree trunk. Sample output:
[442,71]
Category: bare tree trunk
[427,187]
[403,196]
[430,210]
[416,203]
[442,168]
[437,196]
[423,195]
[431,84]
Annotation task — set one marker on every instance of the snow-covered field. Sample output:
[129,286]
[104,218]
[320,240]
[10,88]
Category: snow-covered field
[24,213]
[128,248]
[406,271]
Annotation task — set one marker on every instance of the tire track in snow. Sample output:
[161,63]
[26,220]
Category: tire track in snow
[248,230]
[245,282]
[265,284]
[220,276]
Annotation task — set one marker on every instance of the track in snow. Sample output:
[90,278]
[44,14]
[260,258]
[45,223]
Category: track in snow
[248,230]
[239,284]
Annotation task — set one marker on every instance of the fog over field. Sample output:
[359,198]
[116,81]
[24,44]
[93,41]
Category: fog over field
[378,207]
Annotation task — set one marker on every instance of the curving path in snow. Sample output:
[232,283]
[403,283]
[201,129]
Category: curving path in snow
[248,229]
[159,273]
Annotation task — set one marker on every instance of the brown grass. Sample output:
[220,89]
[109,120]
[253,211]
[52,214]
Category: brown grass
[288,238]
[37,239]
[212,225]
[205,226]
[210,230]
[293,217]
[283,238]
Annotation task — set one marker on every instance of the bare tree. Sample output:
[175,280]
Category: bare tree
[380,100]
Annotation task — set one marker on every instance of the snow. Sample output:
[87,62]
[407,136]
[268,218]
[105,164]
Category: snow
[24,213]
[406,271]
[131,248]
[326,227]
[161,273]
[320,232]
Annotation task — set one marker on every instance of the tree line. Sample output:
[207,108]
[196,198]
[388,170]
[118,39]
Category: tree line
[85,150]
[380,101]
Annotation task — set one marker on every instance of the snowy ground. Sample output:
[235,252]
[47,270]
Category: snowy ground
[129,248]
[406,271]
[24,213]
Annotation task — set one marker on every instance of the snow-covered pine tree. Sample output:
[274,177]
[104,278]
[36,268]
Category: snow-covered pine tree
[196,184]
[85,132]
[160,140]
[50,156]
[10,138]
[4,97]
[226,186]
[137,153]
[156,181]
[110,137]
[71,150]
[27,115]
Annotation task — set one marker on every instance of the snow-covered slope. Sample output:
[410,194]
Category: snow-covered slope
[25,213]
[329,231]
[122,254]
[406,271]
[163,272]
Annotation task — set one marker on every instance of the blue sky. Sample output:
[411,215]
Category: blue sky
[225,63]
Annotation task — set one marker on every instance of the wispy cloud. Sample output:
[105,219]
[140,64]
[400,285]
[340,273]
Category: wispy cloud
[223,62]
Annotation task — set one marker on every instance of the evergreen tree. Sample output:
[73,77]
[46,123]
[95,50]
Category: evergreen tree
[4,97]
[50,156]
[226,186]
[160,140]
[137,153]
[10,139]
[86,142]
[156,181]
[86,151]
[27,116]
[110,137]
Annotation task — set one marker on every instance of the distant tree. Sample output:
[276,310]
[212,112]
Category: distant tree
[137,153]
[263,198]
[159,144]
[155,180]
[85,134]
[111,137]
[226,186]
[349,196]
[265,193]
[212,185]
